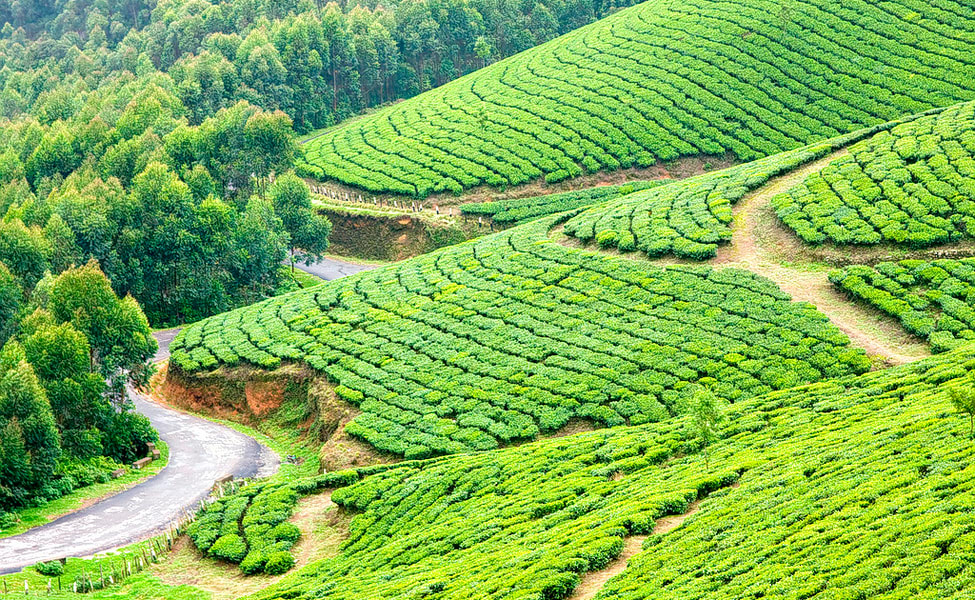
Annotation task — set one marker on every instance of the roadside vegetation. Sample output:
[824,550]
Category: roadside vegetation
[65,418]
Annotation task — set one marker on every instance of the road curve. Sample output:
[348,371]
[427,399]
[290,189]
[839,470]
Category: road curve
[200,452]
[331,268]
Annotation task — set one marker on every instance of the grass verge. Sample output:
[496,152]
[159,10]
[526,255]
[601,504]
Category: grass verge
[28,518]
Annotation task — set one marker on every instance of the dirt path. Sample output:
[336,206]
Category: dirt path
[760,244]
[594,581]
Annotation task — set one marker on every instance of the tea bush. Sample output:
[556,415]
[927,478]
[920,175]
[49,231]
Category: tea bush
[932,300]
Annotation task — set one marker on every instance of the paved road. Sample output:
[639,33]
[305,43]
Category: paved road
[330,268]
[200,452]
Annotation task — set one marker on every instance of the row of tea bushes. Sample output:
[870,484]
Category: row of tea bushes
[932,300]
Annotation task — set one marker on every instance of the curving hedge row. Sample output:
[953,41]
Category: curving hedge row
[250,528]
[913,186]
[659,81]
[516,211]
[933,300]
[863,487]
[692,217]
[495,341]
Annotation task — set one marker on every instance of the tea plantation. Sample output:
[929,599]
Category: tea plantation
[860,487]
[933,300]
[911,186]
[692,217]
[521,210]
[498,340]
[659,81]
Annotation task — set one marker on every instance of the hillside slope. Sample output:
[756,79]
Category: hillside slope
[661,80]
[854,488]
[512,335]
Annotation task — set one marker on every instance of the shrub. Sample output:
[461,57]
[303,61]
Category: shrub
[50,569]
[230,547]
[278,563]
[253,563]
[286,532]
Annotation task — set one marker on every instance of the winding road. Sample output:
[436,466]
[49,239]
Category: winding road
[331,268]
[200,453]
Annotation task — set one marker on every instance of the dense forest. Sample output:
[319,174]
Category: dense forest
[65,419]
[318,63]
[144,135]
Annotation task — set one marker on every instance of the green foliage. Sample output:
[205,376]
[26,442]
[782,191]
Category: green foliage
[79,334]
[962,396]
[498,340]
[279,562]
[933,300]
[656,82]
[858,487]
[24,251]
[250,527]
[116,328]
[29,444]
[705,415]
[229,547]
[141,198]
[50,569]
[308,230]
[913,185]
[521,210]
[11,297]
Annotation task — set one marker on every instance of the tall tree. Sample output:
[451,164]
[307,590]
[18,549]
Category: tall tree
[24,250]
[270,144]
[29,443]
[59,355]
[706,416]
[117,329]
[11,297]
[309,231]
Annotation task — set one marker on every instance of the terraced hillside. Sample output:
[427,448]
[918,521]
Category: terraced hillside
[912,186]
[661,80]
[501,339]
[933,300]
[854,488]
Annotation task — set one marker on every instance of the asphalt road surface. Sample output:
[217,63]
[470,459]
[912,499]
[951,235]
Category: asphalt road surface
[200,453]
[330,268]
